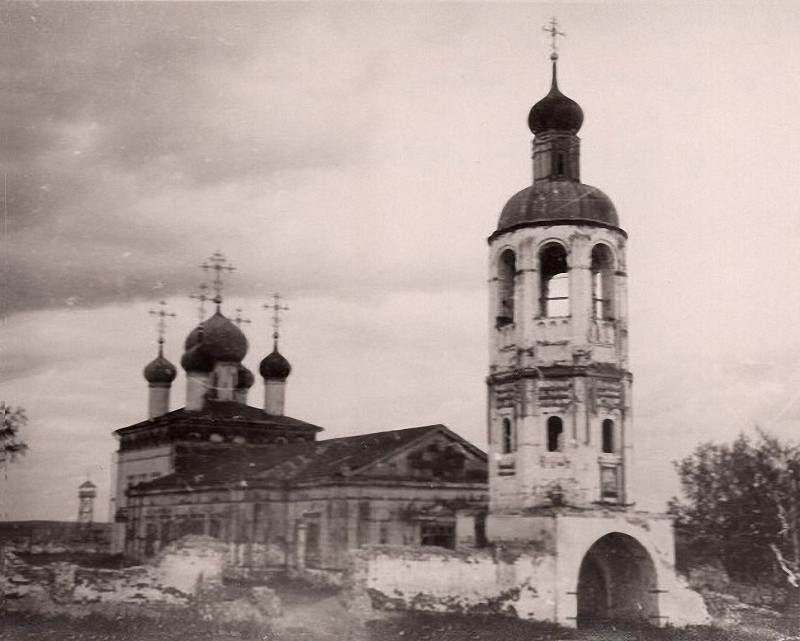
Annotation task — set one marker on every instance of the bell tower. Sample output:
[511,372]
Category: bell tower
[559,389]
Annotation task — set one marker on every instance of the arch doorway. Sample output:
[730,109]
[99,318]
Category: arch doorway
[617,583]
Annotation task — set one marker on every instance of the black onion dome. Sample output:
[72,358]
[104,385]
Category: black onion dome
[223,340]
[197,359]
[558,201]
[275,367]
[244,378]
[160,370]
[194,337]
[555,112]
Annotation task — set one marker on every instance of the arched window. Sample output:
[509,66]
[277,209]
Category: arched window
[608,436]
[554,282]
[555,432]
[506,271]
[602,282]
[507,436]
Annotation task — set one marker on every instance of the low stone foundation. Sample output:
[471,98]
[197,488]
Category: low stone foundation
[179,572]
[562,567]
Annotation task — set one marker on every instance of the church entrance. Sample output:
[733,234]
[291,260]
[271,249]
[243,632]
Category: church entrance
[617,583]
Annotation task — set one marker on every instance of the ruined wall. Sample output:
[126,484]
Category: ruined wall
[535,571]
[179,572]
[307,528]
[518,581]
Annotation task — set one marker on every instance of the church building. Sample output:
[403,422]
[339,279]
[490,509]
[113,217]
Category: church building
[260,480]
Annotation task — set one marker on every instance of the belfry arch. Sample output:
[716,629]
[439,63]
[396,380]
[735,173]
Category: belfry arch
[617,582]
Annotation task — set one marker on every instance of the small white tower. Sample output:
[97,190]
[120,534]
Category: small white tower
[86,495]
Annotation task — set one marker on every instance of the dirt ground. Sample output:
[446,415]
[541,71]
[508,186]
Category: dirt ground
[326,623]
[319,615]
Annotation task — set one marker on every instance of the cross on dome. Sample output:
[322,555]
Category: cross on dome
[276,308]
[239,320]
[218,263]
[552,29]
[203,298]
[161,324]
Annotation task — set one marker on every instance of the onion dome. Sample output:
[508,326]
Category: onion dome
[160,370]
[275,367]
[555,111]
[197,359]
[558,201]
[223,340]
[194,337]
[244,378]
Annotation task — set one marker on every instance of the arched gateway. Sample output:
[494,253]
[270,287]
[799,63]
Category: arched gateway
[617,582]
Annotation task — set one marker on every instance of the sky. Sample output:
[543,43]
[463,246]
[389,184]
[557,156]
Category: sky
[355,157]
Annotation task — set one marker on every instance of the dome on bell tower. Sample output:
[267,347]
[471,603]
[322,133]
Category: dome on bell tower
[555,112]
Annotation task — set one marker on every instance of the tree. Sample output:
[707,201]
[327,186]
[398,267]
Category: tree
[12,420]
[740,507]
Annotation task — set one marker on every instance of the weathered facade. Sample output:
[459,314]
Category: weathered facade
[260,481]
[304,506]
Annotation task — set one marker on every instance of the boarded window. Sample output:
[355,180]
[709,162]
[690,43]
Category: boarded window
[313,555]
[609,483]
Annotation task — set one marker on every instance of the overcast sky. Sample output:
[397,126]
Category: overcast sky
[355,157]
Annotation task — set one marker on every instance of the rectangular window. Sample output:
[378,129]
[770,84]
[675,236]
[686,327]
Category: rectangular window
[609,483]
[362,532]
[442,535]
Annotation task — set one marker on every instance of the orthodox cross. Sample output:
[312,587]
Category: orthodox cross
[239,320]
[161,324]
[202,297]
[218,263]
[276,308]
[552,29]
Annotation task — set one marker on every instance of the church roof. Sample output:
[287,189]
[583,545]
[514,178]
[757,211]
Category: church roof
[222,415]
[350,457]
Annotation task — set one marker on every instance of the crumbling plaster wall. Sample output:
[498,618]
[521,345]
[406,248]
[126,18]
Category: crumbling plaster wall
[512,581]
[531,570]
[180,571]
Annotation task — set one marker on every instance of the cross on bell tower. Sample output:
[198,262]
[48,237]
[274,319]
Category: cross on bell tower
[552,29]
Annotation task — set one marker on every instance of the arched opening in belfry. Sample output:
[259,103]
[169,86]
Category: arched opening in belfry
[506,272]
[617,582]
[602,282]
[554,283]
